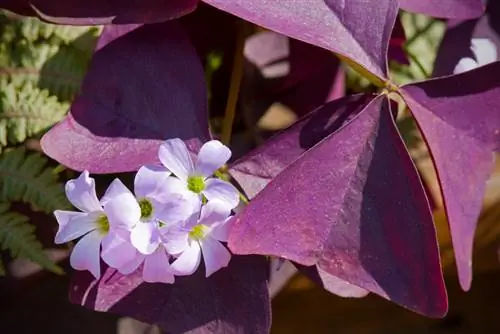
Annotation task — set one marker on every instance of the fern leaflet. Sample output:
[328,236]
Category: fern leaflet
[27,178]
[17,236]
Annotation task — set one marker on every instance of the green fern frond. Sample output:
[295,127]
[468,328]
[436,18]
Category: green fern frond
[50,56]
[17,236]
[27,178]
[33,29]
[26,111]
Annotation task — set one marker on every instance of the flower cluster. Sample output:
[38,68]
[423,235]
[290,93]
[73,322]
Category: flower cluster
[177,212]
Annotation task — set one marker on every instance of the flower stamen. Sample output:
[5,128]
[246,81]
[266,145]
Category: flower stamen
[198,232]
[196,184]
[103,224]
[146,209]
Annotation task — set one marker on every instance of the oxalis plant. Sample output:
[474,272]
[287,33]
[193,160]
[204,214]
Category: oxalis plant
[336,193]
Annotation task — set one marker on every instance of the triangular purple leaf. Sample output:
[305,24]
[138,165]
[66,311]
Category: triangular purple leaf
[460,120]
[256,169]
[259,167]
[233,300]
[354,205]
[452,9]
[354,28]
[96,12]
[143,87]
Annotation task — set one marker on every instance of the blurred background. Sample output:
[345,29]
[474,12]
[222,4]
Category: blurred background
[41,69]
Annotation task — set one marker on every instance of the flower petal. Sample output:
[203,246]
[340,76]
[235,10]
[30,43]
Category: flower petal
[122,211]
[177,208]
[220,231]
[133,264]
[157,268]
[484,50]
[81,193]
[214,211]
[188,261]
[73,225]
[175,239]
[85,255]
[150,180]
[174,155]
[117,251]
[215,255]
[464,65]
[223,191]
[145,237]
[212,156]
[115,189]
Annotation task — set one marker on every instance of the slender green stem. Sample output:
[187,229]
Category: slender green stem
[234,87]
[418,63]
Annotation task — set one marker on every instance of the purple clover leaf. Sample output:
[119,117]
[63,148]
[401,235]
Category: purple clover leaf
[193,304]
[331,207]
[330,24]
[459,119]
[141,86]
[96,12]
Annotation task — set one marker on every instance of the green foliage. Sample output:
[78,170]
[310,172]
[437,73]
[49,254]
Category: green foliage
[49,56]
[26,111]
[423,37]
[17,236]
[27,178]
[41,69]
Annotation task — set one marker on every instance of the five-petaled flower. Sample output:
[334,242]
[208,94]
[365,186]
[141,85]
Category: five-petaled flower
[201,234]
[195,179]
[100,222]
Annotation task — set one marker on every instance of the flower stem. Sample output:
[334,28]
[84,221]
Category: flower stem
[234,86]
[243,198]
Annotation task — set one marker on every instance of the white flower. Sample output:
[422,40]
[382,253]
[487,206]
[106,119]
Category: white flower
[195,179]
[484,51]
[200,235]
[105,222]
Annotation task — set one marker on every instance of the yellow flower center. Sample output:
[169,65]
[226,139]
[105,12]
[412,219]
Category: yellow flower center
[103,224]
[198,232]
[196,184]
[146,209]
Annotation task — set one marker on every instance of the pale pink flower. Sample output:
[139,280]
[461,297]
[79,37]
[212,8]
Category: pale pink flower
[104,222]
[195,178]
[199,236]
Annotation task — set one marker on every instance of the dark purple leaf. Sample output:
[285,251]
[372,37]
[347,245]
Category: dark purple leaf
[255,170]
[259,167]
[354,205]
[453,9]
[352,28]
[398,39]
[460,120]
[460,36]
[143,87]
[96,12]
[233,300]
